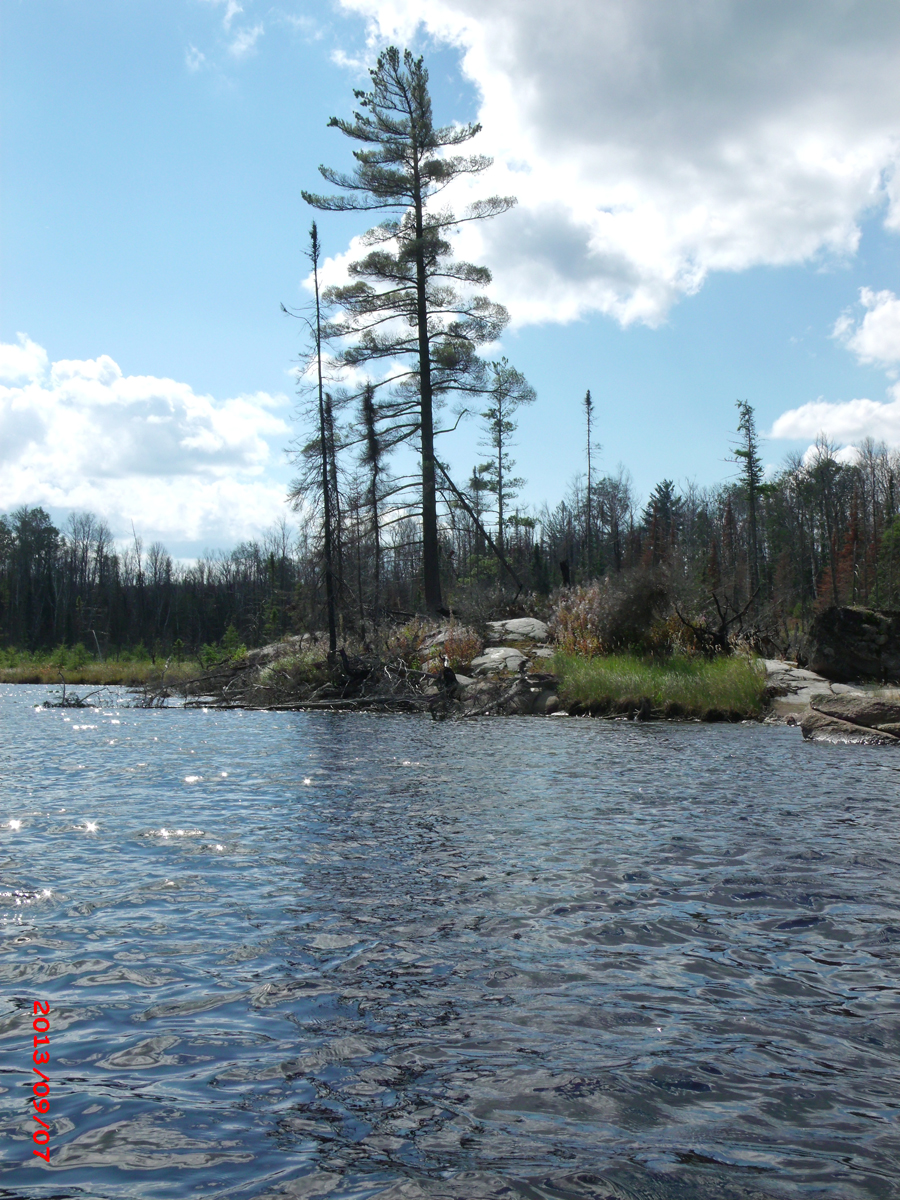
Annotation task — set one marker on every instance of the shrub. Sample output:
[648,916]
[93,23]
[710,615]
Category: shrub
[305,670]
[459,646]
[78,656]
[407,642]
[613,613]
[230,648]
[462,645]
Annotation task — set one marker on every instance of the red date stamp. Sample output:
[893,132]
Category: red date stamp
[41,1087]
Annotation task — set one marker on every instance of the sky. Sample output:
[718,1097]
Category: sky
[708,211]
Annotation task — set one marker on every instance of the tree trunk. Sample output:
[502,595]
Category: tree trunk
[431,574]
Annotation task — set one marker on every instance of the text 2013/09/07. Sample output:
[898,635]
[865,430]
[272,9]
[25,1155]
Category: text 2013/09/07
[41,1087]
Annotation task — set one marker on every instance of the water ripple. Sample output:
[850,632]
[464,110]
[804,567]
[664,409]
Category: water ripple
[310,955]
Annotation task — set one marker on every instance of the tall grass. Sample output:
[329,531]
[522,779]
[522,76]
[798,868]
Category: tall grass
[719,688]
[76,665]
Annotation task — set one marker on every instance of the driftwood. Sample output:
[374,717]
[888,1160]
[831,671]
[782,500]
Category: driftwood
[362,683]
[73,701]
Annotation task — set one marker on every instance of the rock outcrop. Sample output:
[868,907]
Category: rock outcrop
[518,629]
[496,659]
[790,690]
[855,719]
[847,644]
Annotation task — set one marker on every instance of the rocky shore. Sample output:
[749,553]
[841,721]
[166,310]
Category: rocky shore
[510,676]
[828,711]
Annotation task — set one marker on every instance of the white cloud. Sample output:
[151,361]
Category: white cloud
[846,421]
[194,58]
[25,361]
[80,434]
[245,40]
[876,339]
[232,8]
[650,144]
[302,24]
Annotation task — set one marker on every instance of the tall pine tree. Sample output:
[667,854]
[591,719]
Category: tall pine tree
[410,302]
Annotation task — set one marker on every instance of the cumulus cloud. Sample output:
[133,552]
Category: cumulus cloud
[650,144]
[875,339]
[25,361]
[81,434]
[847,421]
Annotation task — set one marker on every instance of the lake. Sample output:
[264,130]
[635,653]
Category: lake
[322,955]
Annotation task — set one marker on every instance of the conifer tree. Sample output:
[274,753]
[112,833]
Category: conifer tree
[588,414]
[320,476]
[747,454]
[410,302]
[507,391]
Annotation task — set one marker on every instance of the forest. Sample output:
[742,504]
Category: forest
[821,532]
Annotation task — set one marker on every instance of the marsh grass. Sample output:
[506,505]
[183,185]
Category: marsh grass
[712,689]
[22,667]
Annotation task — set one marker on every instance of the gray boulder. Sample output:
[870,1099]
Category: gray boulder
[856,719]
[819,727]
[519,629]
[496,659]
[872,712]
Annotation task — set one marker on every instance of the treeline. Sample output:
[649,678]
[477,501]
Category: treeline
[73,585]
[823,531]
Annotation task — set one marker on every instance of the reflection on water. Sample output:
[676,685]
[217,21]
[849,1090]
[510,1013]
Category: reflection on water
[313,955]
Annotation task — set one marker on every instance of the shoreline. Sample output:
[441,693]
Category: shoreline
[521,676]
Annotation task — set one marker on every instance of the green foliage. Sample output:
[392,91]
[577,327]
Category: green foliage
[232,644]
[231,647]
[11,657]
[507,391]
[79,655]
[78,666]
[69,656]
[482,569]
[889,566]
[295,672]
[680,686]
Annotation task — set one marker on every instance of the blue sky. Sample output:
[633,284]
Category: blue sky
[709,211]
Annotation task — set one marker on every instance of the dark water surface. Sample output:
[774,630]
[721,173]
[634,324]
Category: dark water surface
[319,955]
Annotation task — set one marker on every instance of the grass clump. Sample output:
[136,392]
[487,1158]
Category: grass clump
[712,689]
[293,672]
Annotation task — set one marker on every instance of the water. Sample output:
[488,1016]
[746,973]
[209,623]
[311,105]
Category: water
[320,955]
